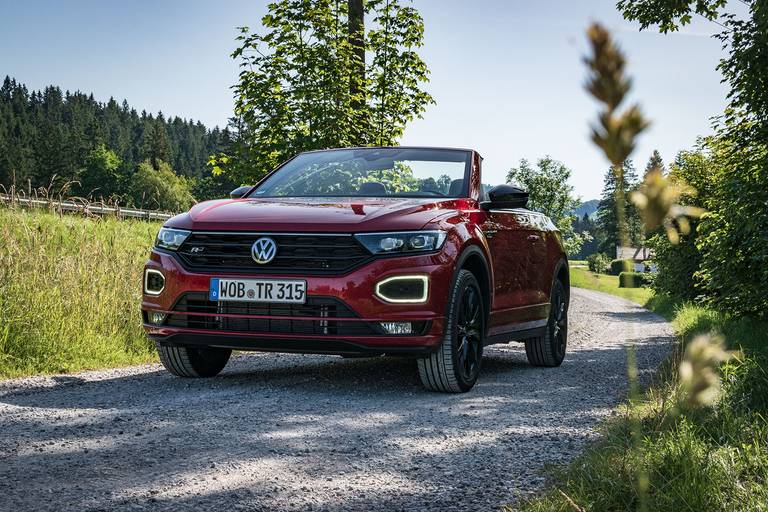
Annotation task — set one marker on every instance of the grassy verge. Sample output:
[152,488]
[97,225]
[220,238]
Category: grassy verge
[69,292]
[679,459]
[583,278]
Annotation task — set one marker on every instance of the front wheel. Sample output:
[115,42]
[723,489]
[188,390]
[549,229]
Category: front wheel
[549,349]
[454,367]
[193,362]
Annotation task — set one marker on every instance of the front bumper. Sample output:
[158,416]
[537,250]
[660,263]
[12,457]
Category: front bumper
[355,289]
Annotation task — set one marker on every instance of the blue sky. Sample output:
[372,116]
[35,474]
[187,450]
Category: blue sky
[507,75]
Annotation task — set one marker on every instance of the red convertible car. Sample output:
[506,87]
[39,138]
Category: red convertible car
[400,251]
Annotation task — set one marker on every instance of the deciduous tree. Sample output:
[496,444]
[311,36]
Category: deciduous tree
[550,194]
[100,177]
[731,236]
[306,84]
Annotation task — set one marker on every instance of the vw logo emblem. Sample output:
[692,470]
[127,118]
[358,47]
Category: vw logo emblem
[263,250]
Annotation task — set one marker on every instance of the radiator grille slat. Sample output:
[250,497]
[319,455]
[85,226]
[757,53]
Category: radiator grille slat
[296,253]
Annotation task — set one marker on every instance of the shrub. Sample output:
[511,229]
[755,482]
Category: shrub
[676,265]
[732,236]
[160,188]
[633,280]
[598,262]
[619,266]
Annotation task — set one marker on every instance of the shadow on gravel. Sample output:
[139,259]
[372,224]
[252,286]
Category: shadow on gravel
[502,365]
[285,432]
[633,316]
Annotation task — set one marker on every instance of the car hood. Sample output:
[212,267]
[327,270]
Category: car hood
[314,214]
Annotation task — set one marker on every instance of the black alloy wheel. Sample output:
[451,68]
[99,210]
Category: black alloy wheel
[455,365]
[469,326]
[549,349]
[560,322]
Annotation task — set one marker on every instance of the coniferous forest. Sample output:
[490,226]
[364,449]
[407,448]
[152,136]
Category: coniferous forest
[74,145]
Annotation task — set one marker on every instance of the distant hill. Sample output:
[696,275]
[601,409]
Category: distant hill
[587,207]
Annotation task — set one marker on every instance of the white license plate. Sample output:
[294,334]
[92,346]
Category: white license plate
[258,290]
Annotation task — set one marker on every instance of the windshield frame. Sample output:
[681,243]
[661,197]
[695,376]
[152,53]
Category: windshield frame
[464,193]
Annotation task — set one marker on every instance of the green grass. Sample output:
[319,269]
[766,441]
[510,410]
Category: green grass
[70,292]
[713,458]
[583,278]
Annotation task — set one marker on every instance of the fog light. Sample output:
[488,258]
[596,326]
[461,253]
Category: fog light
[397,327]
[411,289]
[155,317]
[154,282]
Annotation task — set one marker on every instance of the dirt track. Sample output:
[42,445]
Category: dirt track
[292,432]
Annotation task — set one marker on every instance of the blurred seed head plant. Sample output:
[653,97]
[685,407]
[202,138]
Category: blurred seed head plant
[699,380]
[615,133]
[657,200]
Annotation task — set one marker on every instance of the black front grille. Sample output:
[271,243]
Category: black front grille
[296,253]
[326,317]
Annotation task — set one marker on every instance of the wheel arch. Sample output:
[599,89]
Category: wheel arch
[562,274]
[474,260]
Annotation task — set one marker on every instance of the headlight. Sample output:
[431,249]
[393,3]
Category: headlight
[171,239]
[405,242]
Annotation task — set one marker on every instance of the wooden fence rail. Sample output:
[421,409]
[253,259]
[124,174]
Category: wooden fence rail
[84,207]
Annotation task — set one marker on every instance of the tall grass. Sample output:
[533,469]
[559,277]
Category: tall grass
[70,292]
[712,458]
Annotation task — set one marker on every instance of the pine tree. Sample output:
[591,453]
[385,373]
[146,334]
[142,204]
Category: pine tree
[609,236]
[586,225]
[48,136]
[655,162]
[156,148]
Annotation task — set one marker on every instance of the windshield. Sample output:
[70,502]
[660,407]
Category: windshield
[375,172]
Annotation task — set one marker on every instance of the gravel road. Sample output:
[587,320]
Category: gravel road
[294,432]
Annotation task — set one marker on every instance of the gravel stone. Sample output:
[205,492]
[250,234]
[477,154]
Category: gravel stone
[306,432]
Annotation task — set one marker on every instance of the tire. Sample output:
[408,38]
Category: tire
[193,362]
[549,349]
[455,365]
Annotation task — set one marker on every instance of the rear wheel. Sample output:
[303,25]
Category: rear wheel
[549,349]
[193,362]
[454,367]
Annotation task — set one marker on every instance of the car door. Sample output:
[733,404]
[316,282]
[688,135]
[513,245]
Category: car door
[516,250]
[536,261]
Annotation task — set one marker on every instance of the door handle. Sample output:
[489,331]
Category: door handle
[533,238]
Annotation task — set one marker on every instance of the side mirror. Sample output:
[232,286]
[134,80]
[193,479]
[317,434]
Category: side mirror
[240,191]
[505,196]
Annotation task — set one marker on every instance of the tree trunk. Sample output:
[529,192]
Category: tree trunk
[356,38]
